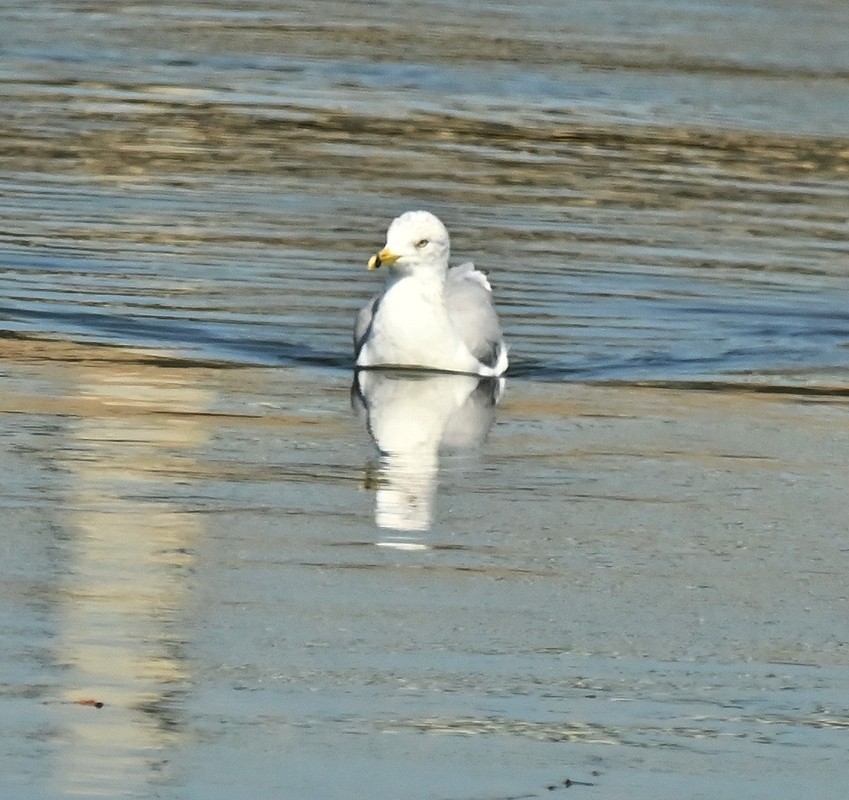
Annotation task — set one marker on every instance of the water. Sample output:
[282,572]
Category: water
[625,568]
[657,191]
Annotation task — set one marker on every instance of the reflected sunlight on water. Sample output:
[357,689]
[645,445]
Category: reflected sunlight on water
[125,577]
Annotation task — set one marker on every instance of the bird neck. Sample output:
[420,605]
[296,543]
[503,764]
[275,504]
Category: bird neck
[426,278]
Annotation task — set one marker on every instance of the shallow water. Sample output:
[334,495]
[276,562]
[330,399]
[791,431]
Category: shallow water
[625,568]
[638,589]
[658,191]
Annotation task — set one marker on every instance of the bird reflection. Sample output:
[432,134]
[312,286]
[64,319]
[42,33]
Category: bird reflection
[412,416]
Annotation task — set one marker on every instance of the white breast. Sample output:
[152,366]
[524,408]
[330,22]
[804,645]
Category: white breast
[411,328]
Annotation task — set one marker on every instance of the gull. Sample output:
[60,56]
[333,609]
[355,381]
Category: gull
[428,316]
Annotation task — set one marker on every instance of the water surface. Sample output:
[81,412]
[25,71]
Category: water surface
[658,190]
[625,568]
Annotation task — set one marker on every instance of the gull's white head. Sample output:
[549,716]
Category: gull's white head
[415,240]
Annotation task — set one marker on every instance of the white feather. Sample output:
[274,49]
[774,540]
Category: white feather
[427,315]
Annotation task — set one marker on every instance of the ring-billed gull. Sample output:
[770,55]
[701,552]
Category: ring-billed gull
[427,315]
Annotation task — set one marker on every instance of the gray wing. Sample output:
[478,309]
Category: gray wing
[469,300]
[363,323]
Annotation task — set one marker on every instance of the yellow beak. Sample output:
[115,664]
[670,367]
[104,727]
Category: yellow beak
[385,256]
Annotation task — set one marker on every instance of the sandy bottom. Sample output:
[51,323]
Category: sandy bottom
[639,592]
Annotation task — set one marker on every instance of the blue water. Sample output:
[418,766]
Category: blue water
[639,590]
[657,189]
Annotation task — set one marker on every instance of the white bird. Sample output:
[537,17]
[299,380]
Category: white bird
[428,316]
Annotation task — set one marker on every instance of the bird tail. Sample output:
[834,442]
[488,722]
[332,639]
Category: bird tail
[500,366]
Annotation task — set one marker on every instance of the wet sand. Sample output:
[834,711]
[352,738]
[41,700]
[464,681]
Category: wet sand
[638,588]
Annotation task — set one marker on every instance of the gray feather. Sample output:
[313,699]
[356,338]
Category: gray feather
[468,298]
[363,323]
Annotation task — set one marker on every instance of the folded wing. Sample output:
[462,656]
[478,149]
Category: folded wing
[468,297]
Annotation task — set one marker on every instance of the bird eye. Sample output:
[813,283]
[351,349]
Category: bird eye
[422,243]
